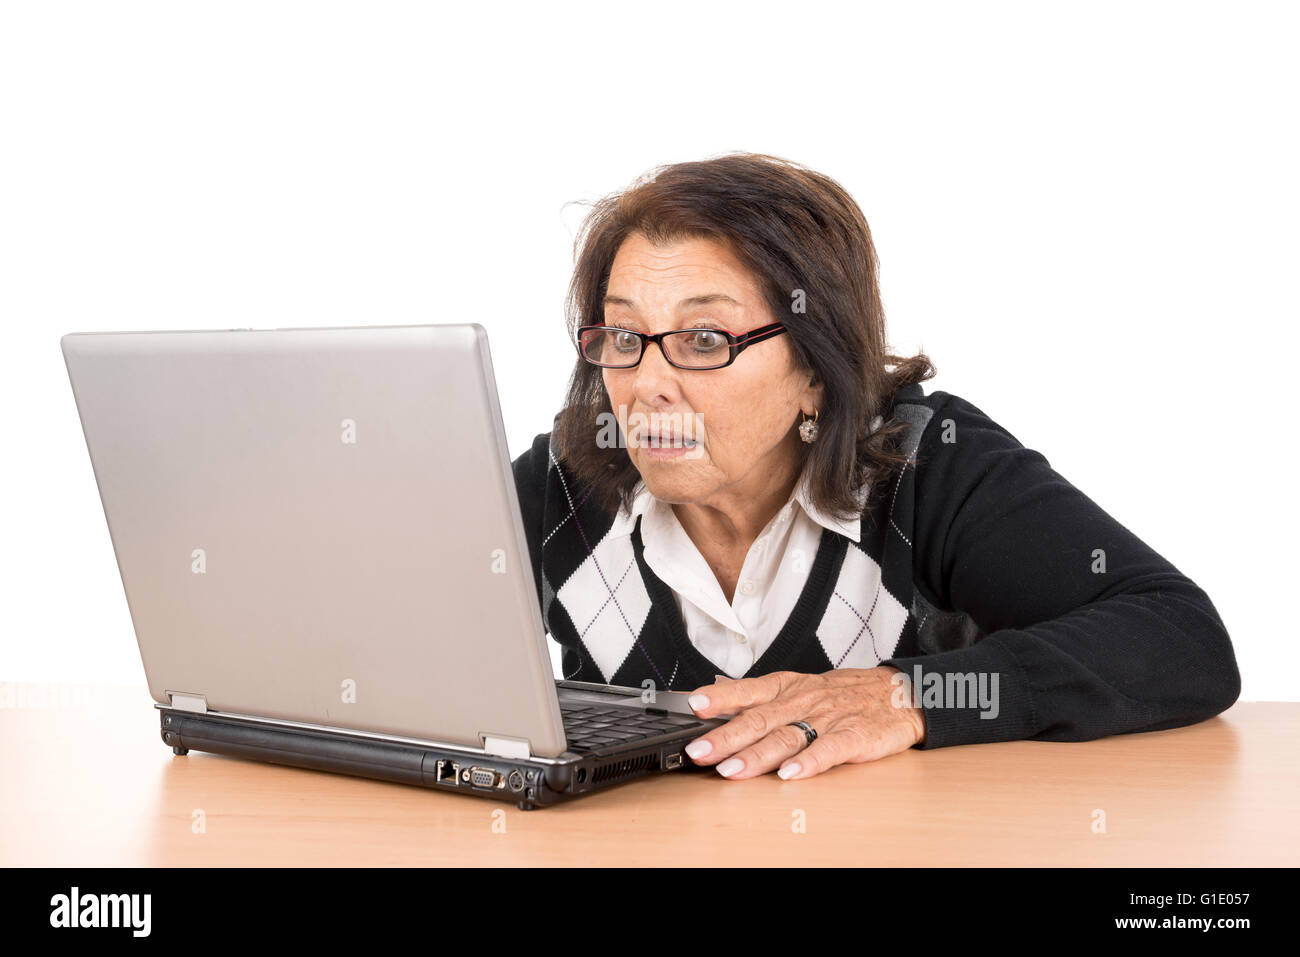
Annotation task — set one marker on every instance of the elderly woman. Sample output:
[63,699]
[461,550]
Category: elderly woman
[748,497]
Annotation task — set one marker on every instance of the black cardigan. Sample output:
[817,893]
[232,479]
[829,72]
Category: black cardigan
[980,561]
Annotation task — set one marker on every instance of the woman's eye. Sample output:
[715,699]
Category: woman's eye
[625,341]
[704,340]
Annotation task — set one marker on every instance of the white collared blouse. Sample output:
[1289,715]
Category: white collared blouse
[734,635]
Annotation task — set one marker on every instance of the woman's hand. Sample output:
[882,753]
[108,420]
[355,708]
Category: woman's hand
[859,715]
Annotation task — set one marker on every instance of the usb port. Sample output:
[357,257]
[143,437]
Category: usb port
[673,761]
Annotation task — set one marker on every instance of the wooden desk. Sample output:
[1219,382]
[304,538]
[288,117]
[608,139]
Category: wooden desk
[93,785]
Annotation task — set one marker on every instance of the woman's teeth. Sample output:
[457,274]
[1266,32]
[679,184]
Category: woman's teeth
[659,442]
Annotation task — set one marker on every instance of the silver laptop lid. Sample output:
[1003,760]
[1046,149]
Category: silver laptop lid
[321,526]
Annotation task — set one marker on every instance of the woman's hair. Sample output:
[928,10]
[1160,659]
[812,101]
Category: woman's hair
[809,245]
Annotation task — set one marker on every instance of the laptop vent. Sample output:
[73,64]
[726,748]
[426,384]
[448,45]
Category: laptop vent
[627,768]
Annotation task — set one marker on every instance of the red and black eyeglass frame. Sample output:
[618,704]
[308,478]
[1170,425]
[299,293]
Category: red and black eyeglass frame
[736,344]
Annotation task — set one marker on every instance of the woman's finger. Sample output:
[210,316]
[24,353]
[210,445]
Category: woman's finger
[751,726]
[844,744]
[766,754]
[732,697]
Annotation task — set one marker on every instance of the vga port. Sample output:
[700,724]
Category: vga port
[483,777]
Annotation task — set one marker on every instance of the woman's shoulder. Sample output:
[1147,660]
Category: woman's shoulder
[544,481]
[532,466]
[938,416]
[956,447]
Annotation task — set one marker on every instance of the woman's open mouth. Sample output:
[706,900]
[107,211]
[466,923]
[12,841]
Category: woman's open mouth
[667,446]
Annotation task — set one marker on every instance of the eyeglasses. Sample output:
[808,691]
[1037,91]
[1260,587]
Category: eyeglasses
[613,348]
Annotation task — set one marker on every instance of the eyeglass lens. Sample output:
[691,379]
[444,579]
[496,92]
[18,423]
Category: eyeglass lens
[693,348]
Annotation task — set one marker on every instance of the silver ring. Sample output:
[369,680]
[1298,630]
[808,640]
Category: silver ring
[807,730]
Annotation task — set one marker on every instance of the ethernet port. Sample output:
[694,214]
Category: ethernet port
[447,773]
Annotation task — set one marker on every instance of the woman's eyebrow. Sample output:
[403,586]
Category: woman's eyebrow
[688,303]
[706,300]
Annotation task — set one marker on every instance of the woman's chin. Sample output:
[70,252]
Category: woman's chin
[672,481]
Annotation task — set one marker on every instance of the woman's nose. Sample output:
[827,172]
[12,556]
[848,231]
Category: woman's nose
[655,375]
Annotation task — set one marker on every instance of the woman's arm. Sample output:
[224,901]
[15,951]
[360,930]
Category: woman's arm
[1089,630]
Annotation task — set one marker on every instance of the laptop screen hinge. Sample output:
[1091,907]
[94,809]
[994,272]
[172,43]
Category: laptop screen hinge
[506,747]
[189,702]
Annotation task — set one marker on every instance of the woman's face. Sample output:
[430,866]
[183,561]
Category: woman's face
[743,416]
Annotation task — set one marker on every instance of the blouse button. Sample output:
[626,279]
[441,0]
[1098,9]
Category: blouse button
[747,587]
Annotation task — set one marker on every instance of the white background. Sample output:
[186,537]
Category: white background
[1086,213]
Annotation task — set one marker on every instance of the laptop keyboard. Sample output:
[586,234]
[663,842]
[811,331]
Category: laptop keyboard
[595,728]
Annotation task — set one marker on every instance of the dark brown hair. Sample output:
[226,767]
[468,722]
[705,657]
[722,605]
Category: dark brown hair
[794,229]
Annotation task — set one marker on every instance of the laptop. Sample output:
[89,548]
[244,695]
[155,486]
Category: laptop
[322,550]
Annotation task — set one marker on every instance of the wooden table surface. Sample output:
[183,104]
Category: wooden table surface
[88,782]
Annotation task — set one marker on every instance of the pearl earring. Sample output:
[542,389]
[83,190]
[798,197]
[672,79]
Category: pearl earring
[808,427]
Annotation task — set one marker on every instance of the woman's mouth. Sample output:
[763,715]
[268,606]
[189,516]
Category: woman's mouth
[668,446]
[671,451]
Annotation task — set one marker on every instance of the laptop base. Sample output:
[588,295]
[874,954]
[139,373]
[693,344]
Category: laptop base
[527,783]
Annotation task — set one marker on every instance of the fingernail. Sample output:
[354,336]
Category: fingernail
[698,701]
[717,678]
[789,771]
[730,766]
[698,749]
